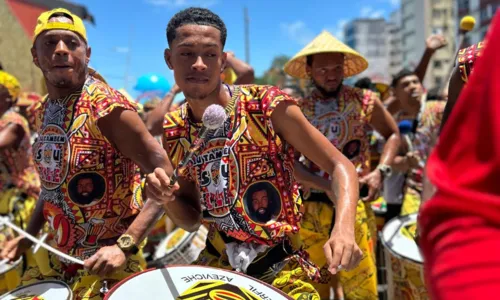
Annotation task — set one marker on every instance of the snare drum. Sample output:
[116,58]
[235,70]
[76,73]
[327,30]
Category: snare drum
[192,282]
[405,275]
[47,289]
[180,247]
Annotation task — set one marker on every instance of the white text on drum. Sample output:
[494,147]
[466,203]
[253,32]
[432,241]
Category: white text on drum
[197,277]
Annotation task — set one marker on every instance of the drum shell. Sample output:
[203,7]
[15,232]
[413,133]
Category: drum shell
[39,289]
[10,274]
[184,252]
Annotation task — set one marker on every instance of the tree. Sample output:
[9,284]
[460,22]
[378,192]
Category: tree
[275,74]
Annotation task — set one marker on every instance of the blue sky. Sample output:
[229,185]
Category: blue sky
[135,30]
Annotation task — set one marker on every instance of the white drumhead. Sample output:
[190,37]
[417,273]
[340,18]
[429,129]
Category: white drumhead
[4,268]
[174,240]
[398,236]
[47,289]
[192,282]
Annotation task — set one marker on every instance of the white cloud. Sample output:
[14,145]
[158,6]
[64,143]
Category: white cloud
[393,3]
[182,3]
[298,32]
[369,12]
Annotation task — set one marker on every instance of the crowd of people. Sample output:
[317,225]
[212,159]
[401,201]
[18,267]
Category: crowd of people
[285,186]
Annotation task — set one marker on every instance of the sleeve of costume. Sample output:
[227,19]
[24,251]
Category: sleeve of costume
[107,100]
[271,99]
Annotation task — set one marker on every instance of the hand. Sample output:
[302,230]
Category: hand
[341,251]
[14,248]
[105,261]
[158,187]
[413,159]
[230,54]
[436,42]
[374,182]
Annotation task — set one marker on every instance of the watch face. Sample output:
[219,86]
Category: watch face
[125,241]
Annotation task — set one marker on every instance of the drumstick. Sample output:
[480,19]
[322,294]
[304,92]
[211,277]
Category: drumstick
[38,242]
[4,261]
[213,118]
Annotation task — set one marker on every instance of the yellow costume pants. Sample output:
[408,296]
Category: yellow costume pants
[44,265]
[293,279]
[20,209]
[359,283]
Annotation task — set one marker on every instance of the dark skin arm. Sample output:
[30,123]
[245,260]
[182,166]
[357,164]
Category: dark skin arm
[290,124]
[154,119]
[454,90]
[126,131]
[384,124]
[11,137]
[243,71]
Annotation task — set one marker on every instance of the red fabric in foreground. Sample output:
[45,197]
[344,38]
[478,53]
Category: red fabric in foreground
[460,225]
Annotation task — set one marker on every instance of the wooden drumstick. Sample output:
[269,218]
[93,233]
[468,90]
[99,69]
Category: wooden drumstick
[7,222]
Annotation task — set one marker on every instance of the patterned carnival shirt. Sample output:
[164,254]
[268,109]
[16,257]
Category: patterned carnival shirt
[243,170]
[91,191]
[345,122]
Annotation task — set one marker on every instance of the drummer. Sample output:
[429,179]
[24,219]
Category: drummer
[245,169]
[19,181]
[90,147]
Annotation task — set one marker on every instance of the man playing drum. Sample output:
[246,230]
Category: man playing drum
[345,115]
[91,144]
[252,152]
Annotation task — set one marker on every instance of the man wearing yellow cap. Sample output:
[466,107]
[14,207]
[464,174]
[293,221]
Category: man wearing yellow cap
[19,182]
[345,116]
[91,144]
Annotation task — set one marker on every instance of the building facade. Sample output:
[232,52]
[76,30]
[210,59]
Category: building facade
[369,37]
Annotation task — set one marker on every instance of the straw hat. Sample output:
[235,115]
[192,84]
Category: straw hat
[325,42]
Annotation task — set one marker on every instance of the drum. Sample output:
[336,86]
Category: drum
[405,275]
[192,282]
[180,247]
[10,273]
[47,289]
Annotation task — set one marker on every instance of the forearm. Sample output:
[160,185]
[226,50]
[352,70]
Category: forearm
[154,120]
[421,69]
[304,176]
[243,71]
[145,221]
[390,150]
[345,187]
[400,164]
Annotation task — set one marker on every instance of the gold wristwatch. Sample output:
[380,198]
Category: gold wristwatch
[127,243]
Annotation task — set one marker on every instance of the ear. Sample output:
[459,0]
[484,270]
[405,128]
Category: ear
[35,57]
[88,54]
[224,61]
[168,58]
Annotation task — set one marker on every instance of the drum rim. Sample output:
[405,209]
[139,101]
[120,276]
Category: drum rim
[13,266]
[112,290]
[38,283]
[382,240]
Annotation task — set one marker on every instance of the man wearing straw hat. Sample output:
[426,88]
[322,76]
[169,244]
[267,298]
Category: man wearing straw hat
[344,115]
[91,144]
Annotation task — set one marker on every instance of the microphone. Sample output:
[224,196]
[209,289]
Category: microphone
[466,24]
[213,118]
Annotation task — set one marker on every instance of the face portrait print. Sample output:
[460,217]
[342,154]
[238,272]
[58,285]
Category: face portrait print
[86,189]
[352,149]
[262,202]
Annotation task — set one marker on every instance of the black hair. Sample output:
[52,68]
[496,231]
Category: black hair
[309,60]
[400,75]
[198,16]
[434,94]
[366,83]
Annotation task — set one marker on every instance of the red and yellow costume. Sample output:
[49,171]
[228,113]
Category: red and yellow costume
[242,162]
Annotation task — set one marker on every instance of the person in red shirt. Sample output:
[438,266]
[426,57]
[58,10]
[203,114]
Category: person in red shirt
[459,225]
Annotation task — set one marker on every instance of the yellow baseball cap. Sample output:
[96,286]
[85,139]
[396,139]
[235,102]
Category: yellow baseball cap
[44,25]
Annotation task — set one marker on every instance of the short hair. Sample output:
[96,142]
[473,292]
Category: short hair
[365,83]
[400,75]
[197,16]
